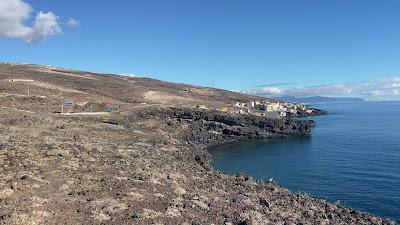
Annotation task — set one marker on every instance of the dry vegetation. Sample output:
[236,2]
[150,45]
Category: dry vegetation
[134,166]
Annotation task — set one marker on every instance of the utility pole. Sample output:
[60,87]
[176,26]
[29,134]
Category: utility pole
[29,91]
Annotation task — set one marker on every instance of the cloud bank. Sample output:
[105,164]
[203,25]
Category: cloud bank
[14,15]
[379,89]
[72,22]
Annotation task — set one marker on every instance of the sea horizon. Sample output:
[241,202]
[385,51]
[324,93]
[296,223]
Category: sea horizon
[337,162]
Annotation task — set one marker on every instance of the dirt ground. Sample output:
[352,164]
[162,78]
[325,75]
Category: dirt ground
[144,163]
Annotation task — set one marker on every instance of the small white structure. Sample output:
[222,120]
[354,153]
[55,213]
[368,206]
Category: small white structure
[67,106]
[251,104]
[240,104]
[201,107]
[242,112]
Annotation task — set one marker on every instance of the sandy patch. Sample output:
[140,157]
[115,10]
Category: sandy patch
[202,91]
[8,94]
[85,76]
[165,98]
[20,110]
[44,85]
[3,95]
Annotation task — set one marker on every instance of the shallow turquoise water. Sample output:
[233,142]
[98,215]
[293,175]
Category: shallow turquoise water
[353,157]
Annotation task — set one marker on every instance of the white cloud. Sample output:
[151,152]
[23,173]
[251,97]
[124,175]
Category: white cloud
[272,90]
[72,22]
[14,15]
[384,88]
[372,93]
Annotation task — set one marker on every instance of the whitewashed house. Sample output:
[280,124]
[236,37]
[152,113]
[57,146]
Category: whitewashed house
[251,104]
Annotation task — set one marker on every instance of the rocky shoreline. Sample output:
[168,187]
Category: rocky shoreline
[315,112]
[207,129]
[212,128]
[144,163]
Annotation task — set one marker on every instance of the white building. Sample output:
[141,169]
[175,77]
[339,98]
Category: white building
[282,114]
[240,104]
[251,104]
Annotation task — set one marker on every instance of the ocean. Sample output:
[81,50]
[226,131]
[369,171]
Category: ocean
[353,157]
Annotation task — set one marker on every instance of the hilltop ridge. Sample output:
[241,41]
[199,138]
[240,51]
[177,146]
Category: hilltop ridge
[118,90]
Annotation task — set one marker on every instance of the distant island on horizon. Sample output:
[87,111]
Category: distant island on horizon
[320,99]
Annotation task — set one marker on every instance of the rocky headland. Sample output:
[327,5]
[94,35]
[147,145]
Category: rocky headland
[143,162]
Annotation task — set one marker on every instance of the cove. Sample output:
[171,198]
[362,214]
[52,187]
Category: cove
[353,156]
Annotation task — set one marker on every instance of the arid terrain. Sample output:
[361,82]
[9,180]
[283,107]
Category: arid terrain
[143,162]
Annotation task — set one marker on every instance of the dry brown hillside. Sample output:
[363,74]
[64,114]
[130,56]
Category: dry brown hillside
[50,86]
[141,163]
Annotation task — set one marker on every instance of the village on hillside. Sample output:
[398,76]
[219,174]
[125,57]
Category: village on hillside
[76,102]
[268,108]
[273,109]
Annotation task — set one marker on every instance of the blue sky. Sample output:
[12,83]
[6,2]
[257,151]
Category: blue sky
[237,45]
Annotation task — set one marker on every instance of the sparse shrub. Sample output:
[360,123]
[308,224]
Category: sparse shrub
[140,174]
[57,152]
[122,155]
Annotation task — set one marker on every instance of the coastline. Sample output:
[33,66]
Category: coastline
[142,163]
[335,213]
[335,163]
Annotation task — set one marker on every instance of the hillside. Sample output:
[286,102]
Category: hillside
[54,85]
[142,162]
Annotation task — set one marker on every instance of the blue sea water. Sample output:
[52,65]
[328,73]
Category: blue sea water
[353,156]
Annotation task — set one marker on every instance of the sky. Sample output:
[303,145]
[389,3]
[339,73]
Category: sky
[331,48]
